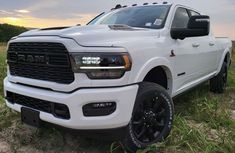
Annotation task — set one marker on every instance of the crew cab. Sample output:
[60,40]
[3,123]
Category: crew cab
[121,70]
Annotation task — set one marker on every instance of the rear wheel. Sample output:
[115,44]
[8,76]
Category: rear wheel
[218,83]
[151,119]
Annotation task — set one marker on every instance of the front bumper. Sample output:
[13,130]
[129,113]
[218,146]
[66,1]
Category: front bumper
[123,96]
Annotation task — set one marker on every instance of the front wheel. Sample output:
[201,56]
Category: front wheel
[152,117]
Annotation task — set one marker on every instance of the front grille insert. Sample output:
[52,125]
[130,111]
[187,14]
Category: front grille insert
[56,109]
[42,61]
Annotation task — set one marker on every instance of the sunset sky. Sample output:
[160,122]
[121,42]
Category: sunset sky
[48,13]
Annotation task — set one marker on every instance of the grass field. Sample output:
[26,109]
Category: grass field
[202,125]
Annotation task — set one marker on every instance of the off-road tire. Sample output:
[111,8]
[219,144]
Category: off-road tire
[155,110]
[218,83]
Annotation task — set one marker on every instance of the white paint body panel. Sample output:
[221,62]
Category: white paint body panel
[148,49]
[123,96]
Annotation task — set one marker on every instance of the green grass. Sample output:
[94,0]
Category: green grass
[6,115]
[202,124]
[2,65]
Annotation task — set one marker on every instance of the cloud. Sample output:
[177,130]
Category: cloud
[3,12]
[22,11]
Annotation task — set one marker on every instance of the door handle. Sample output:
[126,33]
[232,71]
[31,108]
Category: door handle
[195,45]
[211,44]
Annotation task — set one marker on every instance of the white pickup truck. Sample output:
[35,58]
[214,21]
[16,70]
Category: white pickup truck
[121,70]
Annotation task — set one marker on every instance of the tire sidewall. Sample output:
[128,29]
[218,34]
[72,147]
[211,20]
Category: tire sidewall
[217,84]
[145,89]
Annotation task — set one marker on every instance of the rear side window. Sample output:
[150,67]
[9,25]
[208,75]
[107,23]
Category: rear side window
[181,18]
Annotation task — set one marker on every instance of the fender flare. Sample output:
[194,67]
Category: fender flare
[153,63]
[226,51]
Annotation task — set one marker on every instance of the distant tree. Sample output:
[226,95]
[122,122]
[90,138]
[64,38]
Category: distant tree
[8,31]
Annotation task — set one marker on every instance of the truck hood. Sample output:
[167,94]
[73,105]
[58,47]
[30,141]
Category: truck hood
[95,35]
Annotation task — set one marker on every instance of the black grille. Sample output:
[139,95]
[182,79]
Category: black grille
[41,61]
[58,110]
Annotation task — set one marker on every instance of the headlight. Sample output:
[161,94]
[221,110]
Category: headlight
[101,65]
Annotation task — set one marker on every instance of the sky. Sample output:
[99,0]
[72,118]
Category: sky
[51,13]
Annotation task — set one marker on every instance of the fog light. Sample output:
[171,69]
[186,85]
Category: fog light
[99,109]
[61,111]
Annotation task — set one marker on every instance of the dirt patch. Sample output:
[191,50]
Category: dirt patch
[28,149]
[4,147]
[232,103]
[2,47]
[233,115]
[211,134]
[25,139]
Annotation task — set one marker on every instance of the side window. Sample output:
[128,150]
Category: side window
[181,18]
[193,13]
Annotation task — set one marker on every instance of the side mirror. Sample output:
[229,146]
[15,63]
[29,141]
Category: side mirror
[197,26]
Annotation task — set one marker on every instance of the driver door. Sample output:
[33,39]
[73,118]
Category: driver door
[186,63]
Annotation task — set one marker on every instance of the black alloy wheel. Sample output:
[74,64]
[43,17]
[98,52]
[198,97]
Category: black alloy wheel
[152,117]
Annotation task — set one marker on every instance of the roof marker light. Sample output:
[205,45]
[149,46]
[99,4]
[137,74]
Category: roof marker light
[118,6]
[145,3]
[134,5]
[155,3]
[124,6]
[165,2]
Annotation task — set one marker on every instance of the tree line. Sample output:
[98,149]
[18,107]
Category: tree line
[8,31]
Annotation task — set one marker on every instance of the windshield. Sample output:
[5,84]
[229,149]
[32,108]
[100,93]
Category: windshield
[141,16]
